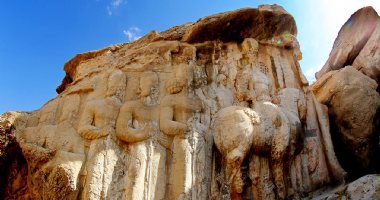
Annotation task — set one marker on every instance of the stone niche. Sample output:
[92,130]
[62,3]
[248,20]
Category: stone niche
[216,109]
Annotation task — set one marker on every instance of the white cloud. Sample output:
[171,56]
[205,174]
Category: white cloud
[132,33]
[114,5]
[109,11]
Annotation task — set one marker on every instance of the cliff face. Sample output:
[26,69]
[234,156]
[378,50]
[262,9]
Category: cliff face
[216,109]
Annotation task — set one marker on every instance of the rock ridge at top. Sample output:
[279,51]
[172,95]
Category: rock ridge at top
[268,24]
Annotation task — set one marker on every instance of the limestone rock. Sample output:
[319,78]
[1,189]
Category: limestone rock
[353,38]
[139,120]
[368,60]
[353,106]
[366,187]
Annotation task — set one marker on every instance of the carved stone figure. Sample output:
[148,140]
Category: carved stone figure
[230,81]
[234,129]
[244,86]
[137,125]
[273,138]
[33,140]
[177,120]
[70,156]
[292,102]
[97,124]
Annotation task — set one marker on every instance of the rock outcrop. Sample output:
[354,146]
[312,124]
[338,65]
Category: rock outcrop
[357,45]
[139,120]
[13,169]
[353,107]
[366,187]
[351,93]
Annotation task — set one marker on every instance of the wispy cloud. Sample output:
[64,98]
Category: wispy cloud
[310,72]
[114,5]
[132,33]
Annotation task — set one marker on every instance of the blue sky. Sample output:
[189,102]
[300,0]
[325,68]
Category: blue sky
[37,37]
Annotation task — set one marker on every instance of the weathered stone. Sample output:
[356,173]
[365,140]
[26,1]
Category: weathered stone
[366,187]
[352,38]
[12,162]
[353,106]
[352,92]
[368,60]
[139,120]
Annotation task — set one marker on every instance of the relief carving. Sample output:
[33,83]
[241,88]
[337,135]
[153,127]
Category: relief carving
[137,125]
[193,112]
[97,125]
[178,120]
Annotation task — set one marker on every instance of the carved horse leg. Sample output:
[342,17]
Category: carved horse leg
[280,146]
[233,172]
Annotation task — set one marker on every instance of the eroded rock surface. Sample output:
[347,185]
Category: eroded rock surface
[138,120]
[12,162]
[353,106]
[348,85]
[357,44]
[366,187]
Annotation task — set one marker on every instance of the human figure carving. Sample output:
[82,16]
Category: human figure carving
[177,120]
[293,103]
[137,125]
[70,149]
[97,124]
[66,137]
[34,143]
[274,136]
[244,86]
[233,130]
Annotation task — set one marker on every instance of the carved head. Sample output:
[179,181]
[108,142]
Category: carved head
[48,113]
[70,108]
[116,85]
[175,85]
[261,85]
[147,83]
[250,46]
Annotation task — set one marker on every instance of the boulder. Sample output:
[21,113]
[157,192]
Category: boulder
[352,38]
[366,187]
[354,107]
[368,60]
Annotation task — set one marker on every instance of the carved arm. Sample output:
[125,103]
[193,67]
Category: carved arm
[167,125]
[127,133]
[86,129]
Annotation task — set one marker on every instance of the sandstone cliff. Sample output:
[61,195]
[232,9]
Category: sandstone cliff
[215,109]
